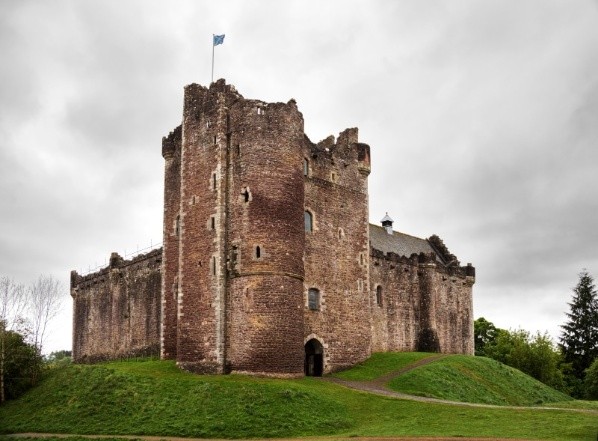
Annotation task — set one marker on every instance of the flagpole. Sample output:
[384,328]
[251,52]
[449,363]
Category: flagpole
[212,58]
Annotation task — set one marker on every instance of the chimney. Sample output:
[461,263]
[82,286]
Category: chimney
[387,223]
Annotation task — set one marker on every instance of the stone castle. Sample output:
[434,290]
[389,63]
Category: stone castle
[269,264]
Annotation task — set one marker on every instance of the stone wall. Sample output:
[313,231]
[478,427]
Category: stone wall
[336,253]
[265,238]
[116,311]
[419,294]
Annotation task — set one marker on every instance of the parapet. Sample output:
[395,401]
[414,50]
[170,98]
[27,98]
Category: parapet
[116,262]
[344,151]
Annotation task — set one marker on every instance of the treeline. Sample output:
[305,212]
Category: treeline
[570,366]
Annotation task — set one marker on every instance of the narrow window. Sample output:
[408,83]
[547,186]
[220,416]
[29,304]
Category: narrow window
[341,233]
[333,177]
[214,181]
[245,193]
[213,265]
[308,221]
[238,149]
[177,226]
[305,167]
[258,252]
[361,258]
[213,222]
[214,139]
[260,111]
[379,295]
[313,299]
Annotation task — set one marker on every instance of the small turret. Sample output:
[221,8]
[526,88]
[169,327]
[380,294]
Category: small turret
[387,223]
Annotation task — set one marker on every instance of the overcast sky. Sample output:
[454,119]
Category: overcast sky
[482,117]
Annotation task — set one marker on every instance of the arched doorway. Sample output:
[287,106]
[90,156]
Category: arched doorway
[314,358]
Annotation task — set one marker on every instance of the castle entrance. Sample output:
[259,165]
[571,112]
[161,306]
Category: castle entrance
[314,358]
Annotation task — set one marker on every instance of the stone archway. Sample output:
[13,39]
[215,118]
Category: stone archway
[314,358]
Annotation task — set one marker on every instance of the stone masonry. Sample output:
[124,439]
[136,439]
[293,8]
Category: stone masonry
[269,265]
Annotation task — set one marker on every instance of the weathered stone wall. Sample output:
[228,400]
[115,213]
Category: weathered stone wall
[171,151]
[336,252]
[420,294]
[200,341]
[116,311]
[265,238]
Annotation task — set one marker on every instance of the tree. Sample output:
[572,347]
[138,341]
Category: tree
[535,355]
[45,298]
[591,381]
[12,308]
[23,364]
[579,338]
[484,335]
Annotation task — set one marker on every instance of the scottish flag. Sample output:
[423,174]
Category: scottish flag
[218,39]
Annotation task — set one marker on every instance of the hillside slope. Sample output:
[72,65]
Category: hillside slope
[475,380]
[155,398]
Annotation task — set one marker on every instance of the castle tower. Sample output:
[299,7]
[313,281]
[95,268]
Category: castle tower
[233,235]
[266,238]
[337,259]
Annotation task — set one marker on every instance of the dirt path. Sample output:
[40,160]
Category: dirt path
[378,387]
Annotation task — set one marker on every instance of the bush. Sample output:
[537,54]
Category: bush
[591,381]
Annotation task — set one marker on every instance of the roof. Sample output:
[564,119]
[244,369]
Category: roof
[398,243]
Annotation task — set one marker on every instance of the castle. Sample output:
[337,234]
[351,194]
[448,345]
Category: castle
[269,264]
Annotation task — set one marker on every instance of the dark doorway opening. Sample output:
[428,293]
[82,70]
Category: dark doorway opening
[314,358]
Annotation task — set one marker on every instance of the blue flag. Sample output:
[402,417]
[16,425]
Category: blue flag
[218,39]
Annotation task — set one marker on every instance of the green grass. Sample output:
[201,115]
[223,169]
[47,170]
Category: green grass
[381,363]
[155,398]
[475,380]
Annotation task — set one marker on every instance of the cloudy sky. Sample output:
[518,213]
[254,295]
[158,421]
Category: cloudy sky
[482,117]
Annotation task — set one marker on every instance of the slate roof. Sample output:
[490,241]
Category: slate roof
[399,243]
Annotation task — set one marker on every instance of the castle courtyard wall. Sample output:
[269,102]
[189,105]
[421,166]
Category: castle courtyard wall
[116,311]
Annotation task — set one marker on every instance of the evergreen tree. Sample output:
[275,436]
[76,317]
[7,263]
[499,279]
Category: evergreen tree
[579,338]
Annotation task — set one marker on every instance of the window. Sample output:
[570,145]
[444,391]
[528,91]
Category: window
[309,227]
[305,167]
[177,226]
[214,266]
[246,194]
[258,252]
[313,299]
[213,181]
[213,222]
[379,295]
[341,233]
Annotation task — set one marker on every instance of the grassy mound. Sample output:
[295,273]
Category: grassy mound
[155,398]
[475,380]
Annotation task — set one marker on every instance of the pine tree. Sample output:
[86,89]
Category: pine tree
[579,338]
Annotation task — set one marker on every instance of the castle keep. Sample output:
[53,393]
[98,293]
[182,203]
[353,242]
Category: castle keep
[269,264]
